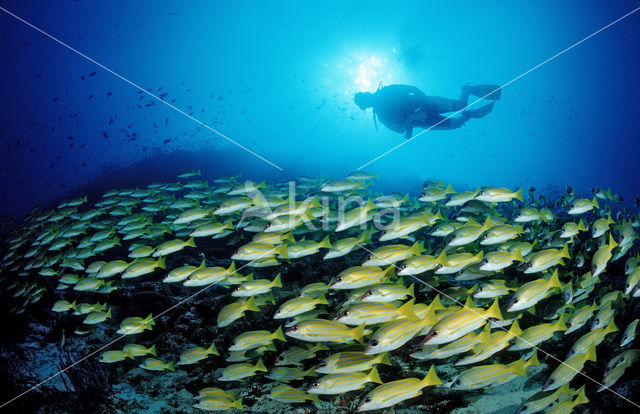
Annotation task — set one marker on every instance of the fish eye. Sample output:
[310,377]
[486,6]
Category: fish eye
[481,193]
[322,365]
[597,321]
[315,385]
[280,358]
[294,328]
[434,333]
[529,265]
[458,382]
[404,267]
[339,279]
[367,400]
[374,342]
[551,381]
[438,267]
[624,338]
[515,300]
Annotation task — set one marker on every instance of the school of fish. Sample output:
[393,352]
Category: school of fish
[466,278]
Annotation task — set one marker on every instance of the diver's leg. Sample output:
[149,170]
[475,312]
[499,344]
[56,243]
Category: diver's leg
[485,91]
[443,105]
[440,122]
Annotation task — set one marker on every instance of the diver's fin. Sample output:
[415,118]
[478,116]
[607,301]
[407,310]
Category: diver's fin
[478,113]
[481,90]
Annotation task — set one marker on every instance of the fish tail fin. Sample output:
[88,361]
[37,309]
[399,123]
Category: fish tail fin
[279,335]
[554,282]
[591,353]
[326,243]
[322,299]
[431,378]
[390,272]
[518,195]
[152,350]
[73,305]
[384,359]
[232,268]
[282,251]
[478,257]
[171,367]
[581,226]
[190,242]
[365,237]
[251,305]
[228,224]
[430,318]
[494,310]
[406,310]
[417,248]
[237,404]
[357,333]
[213,350]
[581,398]
[314,202]
[533,360]
[109,313]
[485,335]
[595,202]
[517,255]
[518,367]
[515,330]
[260,366]
[320,346]
[373,376]
[442,258]
[259,200]
[560,325]
[612,243]
[436,304]
[288,236]
[276,281]
[412,290]
[449,189]
[611,327]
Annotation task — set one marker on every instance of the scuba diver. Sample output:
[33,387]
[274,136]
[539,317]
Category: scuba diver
[402,107]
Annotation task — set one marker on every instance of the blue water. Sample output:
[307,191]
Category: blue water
[279,79]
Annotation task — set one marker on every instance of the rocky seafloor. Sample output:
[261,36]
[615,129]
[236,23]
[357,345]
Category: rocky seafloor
[33,348]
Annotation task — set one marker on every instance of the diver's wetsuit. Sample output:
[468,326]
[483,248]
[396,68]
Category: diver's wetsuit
[403,107]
